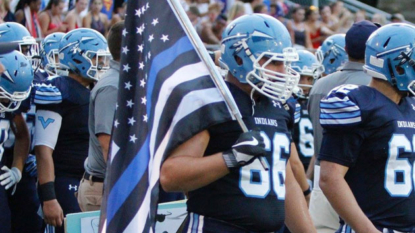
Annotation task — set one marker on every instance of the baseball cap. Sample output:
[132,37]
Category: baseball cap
[357,36]
[7,47]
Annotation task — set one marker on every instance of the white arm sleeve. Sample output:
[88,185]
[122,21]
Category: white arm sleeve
[47,128]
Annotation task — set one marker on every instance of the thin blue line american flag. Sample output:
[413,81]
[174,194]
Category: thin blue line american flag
[166,96]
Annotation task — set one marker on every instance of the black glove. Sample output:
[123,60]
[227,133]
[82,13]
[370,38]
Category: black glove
[248,147]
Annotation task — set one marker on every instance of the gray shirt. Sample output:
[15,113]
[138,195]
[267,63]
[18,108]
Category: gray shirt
[350,73]
[101,115]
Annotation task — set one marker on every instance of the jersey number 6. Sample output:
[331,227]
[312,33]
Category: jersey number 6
[401,167]
[274,178]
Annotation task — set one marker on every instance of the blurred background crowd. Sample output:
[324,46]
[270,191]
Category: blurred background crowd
[308,25]
[44,17]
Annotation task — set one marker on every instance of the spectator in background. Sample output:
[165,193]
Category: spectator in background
[101,115]
[314,26]
[301,34]
[397,18]
[360,16]
[51,18]
[5,14]
[250,4]
[212,32]
[332,24]
[379,19]
[73,18]
[95,19]
[26,14]
[280,15]
[194,16]
[119,15]
[273,10]
[337,9]
[327,18]
[236,11]
[206,33]
[261,9]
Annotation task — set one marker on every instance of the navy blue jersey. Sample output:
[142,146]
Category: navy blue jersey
[303,134]
[5,119]
[70,100]
[374,137]
[28,109]
[249,197]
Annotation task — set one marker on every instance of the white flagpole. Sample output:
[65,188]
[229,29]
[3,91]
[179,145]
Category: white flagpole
[214,72]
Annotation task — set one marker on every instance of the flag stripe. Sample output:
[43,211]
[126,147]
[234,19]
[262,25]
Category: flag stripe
[130,177]
[164,59]
[184,74]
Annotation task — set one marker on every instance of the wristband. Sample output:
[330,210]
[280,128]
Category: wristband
[47,191]
[308,191]
[230,159]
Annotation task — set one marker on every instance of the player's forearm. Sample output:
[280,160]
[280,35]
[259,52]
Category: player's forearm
[310,169]
[189,173]
[338,192]
[20,152]
[22,142]
[298,169]
[45,167]
[296,212]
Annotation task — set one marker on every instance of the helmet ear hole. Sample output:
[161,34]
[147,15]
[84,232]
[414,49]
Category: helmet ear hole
[332,60]
[399,70]
[77,61]
[238,60]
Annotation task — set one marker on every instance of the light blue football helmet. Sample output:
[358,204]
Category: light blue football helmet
[49,53]
[332,54]
[247,40]
[15,32]
[390,56]
[15,81]
[79,48]
[307,65]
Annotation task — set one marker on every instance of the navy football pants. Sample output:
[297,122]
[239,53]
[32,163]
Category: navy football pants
[196,223]
[5,218]
[24,205]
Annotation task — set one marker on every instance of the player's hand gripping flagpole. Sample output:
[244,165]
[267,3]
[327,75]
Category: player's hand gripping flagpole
[214,72]
[166,95]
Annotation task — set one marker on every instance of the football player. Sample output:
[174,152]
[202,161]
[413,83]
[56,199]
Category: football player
[15,84]
[26,191]
[310,70]
[331,54]
[367,154]
[61,135]
[49,54]
[228,189]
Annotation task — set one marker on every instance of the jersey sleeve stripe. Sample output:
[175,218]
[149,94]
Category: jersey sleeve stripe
[325,103]
[47,95]
[338,109]
[340,121]
[340,115]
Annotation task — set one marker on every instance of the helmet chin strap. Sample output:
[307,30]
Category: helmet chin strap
[393,78]
[253,101]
